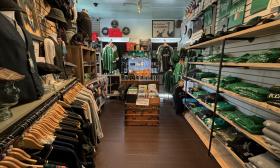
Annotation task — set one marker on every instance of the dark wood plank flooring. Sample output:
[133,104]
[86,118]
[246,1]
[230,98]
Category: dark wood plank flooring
[171,145]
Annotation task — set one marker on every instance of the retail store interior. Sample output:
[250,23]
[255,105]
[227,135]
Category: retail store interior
[139,84]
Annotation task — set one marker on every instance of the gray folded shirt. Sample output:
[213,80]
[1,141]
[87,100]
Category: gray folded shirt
[272,142]
[273,125]
[265,161]
[250,165]
[271,134]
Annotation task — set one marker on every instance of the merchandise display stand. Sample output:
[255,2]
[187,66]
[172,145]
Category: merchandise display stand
[210,140]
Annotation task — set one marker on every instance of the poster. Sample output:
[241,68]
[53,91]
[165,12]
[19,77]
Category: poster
[29,18]
[140,66]
[163,28]
[224,8]
[258,5]
[208,16]
[237,12]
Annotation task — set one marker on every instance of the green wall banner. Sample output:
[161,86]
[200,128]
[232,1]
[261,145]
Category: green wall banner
[208,16]
[224,8]
[237,12]
[258,5]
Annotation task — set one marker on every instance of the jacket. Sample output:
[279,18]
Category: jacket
[19,56]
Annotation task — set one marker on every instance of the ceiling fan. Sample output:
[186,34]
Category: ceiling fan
[139,4]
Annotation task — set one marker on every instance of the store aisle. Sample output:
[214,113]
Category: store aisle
[171,145]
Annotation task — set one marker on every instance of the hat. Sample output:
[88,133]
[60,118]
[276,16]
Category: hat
[69,64]
[9,75]
[45,68]
[9,5]
[56,15]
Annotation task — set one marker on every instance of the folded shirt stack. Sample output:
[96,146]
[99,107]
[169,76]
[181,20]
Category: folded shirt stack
[265,160]
[272,135]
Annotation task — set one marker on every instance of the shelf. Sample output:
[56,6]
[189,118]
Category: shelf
[246,65]
[223,157]
[256,31]
[217,137]
[21,111]
[262,105]
[257,138]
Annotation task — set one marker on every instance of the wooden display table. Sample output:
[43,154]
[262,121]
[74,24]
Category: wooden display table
[143,115]
[139,82]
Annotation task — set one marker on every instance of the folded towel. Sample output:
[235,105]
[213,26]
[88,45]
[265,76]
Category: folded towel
[274,126]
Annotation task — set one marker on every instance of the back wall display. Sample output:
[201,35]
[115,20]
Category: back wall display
[163,28]
[237,12]
[30,17]
[258,5]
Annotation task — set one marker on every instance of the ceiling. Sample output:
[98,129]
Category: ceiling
[152,9]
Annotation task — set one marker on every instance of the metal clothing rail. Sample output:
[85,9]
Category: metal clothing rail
[13,133]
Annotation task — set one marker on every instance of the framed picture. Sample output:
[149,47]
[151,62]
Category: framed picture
[163,28]
[30,18]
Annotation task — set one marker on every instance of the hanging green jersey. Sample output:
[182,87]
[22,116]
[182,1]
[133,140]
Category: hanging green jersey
[168,81]
[109,56]
[178,71]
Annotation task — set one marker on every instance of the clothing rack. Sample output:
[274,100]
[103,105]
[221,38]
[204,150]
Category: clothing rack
[9,136]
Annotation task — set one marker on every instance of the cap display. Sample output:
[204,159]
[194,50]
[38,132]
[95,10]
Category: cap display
[56,15]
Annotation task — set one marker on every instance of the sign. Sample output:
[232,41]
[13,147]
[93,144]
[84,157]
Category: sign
[237,12]
[208,16]
[140,66]
[258,5]
[163,28]
[224,8]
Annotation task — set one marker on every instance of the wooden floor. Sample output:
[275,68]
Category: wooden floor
[171,145]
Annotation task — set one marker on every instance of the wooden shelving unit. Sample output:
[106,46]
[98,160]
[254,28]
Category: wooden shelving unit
[257,138]
[245,65]
[262,105]
[85,60]
[251,34]
[256,31]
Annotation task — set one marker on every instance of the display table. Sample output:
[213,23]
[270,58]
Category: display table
[139,82]
[136,115]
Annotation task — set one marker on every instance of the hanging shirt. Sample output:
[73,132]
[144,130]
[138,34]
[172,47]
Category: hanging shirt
[178,71]
[168,81]
[109,56]
[164,55]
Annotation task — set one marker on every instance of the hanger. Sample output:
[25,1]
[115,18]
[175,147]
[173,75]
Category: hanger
[21,164]
[31,143]
[21,157]
[21,151]
[64,104]
[8,164]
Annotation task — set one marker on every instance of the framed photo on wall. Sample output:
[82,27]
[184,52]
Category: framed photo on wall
[30,18]
[163,28]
